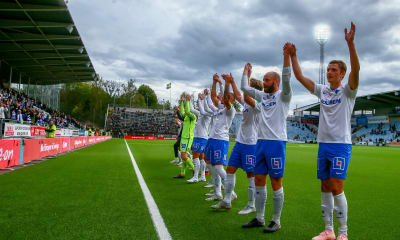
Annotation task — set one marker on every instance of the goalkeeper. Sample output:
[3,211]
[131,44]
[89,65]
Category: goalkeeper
[189,123]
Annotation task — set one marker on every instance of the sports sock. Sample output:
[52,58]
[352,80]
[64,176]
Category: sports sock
[279,198]
[341,212]
[196,163]
[327,209]
[179,156]
[229,186]
[221,173]
[189,163]
[183,168]
[261,199]
[251,192]
[203,168]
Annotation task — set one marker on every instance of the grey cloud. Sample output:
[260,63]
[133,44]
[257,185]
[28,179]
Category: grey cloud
[208,36]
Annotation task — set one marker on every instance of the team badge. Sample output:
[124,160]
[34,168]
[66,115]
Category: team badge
[251,160]
[217,154]
[276,163]
[338,163]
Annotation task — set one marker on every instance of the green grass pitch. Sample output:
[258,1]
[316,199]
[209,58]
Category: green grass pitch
[93,193]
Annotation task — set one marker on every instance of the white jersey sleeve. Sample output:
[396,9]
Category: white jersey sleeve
[286,89]
[252,92]
[210,104]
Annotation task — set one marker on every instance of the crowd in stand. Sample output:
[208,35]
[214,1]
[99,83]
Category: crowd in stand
[378,130]
[20,108]
[142,123]
[304,126]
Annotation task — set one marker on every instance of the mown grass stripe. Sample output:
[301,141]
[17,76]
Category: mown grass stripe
[155,214]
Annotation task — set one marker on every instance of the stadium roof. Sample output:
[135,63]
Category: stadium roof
[367,102]
[40,42]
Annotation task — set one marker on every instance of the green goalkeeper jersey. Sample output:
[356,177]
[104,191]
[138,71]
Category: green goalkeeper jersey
[189,121]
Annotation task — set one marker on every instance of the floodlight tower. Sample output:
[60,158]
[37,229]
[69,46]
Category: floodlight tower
[321,33]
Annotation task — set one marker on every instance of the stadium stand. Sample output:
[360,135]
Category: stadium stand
[300,131]
[378,132]
[141,122]
[32,112]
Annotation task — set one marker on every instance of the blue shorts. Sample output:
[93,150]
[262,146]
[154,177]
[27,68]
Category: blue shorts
[217,151]
[270,157]
[243,156]
[199,145]
[333,160]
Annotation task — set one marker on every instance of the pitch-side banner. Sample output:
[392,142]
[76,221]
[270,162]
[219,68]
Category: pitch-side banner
[140,137]
[78,142]
[38,131]
[40,148]
[16,130]
[167,138]
[9,153]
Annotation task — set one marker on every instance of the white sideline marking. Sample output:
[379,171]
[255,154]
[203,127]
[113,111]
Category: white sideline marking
[155,214]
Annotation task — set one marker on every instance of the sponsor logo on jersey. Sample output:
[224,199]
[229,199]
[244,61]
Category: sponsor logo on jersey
[276,163]
[270,104]
[339,163]
[331,102]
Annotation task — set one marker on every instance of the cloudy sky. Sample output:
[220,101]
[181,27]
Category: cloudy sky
[185,42]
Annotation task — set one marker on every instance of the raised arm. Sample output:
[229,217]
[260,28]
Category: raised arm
[236,92]
[210,104]
[179,115]
[206,107]
[306,82]
[214,90]
[244,85]
[227,103]
[286,89]
[196,112]
[191,115]
[181,106]
[201,103]
[355,64]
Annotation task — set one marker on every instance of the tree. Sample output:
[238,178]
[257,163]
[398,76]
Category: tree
[85,102]
[149,95]
[138,100]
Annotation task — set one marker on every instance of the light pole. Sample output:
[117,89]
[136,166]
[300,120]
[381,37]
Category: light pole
[130,101]
[321,34]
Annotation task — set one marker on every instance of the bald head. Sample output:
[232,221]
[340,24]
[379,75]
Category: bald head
[271,82]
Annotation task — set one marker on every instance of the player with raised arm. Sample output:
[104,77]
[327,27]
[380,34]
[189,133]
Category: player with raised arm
[334,134]
[208,104]
[272,137]
[218,143]
[243,153]
[187,133]
[200,140]
[177,160]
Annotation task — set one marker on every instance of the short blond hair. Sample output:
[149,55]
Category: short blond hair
[257,84]
[342,65]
